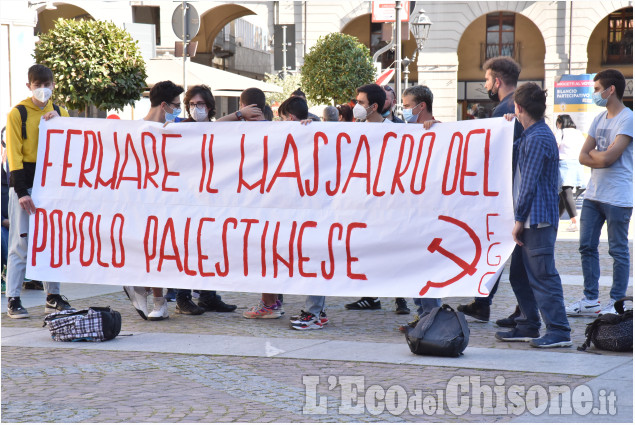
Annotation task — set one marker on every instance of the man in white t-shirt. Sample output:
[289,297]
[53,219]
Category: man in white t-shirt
[608,150]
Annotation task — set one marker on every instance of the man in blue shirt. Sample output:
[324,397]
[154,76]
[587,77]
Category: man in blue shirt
[532,274]
[501,77]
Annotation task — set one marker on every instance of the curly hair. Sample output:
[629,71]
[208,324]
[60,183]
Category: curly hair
[206,93]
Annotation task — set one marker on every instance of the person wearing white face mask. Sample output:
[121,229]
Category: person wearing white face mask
[22,144]
[370,103]
[201,107]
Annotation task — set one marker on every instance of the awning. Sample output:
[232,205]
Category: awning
[221,82]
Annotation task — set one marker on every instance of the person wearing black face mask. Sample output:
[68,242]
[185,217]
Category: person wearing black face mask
[501,77]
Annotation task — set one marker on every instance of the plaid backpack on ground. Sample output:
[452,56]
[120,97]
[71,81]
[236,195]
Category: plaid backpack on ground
[95,324]
[442,332]
[612,332]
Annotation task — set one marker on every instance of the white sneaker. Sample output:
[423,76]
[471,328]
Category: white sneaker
[160,311]
[609,308]
[584,307]
[138,295]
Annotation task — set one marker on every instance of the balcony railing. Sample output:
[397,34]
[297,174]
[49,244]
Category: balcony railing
[489,51]
[224,45]
[617,53]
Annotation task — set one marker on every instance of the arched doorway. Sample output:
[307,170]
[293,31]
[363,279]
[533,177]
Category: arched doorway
[47,17]
[376,35]
[611,46]
[225,36]
[496,33]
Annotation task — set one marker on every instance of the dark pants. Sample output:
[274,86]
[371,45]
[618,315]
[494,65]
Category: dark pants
[536,283]
[187,293]
[488,299]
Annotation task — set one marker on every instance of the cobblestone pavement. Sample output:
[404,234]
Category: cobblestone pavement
[72,385]
[51,386]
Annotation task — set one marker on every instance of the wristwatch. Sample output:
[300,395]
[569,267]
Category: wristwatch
[239,115]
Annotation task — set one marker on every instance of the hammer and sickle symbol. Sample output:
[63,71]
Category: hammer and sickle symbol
[435,246]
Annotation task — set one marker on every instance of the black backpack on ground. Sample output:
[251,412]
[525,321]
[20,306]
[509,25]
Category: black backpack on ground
[95,324]
[442,332]
[23,115]
[612,332]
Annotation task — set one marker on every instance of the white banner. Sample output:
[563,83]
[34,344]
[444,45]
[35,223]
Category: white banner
[323,209]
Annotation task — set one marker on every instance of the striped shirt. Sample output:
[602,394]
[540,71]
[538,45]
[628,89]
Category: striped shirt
[536,160]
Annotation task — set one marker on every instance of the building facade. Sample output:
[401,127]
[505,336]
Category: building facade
[548,39]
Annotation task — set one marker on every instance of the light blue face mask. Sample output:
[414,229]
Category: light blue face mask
[385,114]
[598,99]
[408,116]
[171,117]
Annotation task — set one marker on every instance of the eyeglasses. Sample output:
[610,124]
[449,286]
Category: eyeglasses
[176,105]
[198,105]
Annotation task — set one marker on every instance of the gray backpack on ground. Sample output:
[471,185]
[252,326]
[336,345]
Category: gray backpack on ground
[442,332]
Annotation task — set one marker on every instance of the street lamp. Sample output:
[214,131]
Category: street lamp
[421,28]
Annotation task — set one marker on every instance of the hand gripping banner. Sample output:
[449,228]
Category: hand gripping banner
[354,209]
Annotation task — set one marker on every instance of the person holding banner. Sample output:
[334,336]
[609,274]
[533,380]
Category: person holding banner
[22,145]
[532,274]
[201,107]
[165,102]
[570,141]
[501,78]
[313,316]
[608,150]
[371,101]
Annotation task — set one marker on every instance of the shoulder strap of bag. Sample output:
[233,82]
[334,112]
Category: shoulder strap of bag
[57,109]
[463,324]
[619,305]
[23,115]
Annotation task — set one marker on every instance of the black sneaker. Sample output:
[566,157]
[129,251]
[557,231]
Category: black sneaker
[56,302]
[15,309]
[187,306]
[216,304]
[476,310]
[510,321]
[323,319]
[365,303]
[402,306]
[517,335]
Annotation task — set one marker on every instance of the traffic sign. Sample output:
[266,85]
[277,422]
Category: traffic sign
[192,22]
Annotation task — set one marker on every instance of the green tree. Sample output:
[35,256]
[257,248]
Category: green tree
[94,63]
[334,67]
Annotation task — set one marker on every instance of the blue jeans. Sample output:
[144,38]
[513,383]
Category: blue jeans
[314,304]
[18,249]
[425,305]
[592,218]
[536,283]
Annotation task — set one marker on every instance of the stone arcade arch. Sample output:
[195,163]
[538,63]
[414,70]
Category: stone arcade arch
[360,27]
[67,10]
[529,52]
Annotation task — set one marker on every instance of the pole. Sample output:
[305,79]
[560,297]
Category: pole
[284,51]
[398,52]
[406,72]
[185,40]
